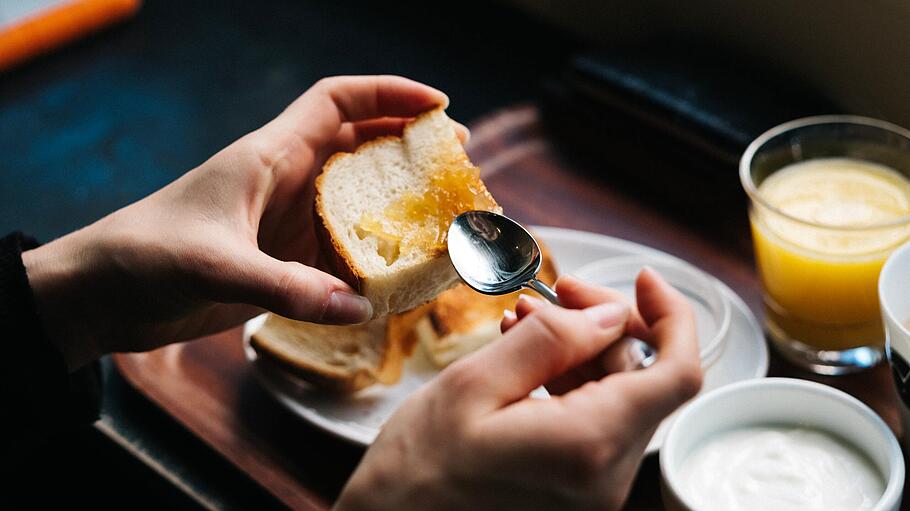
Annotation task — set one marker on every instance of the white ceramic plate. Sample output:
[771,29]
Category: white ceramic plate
[358,418]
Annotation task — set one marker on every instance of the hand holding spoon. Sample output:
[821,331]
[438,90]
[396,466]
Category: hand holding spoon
[495,255]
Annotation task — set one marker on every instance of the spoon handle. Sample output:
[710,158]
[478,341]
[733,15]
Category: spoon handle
[544,291]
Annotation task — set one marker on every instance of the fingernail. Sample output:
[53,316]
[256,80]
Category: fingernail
[608,314]
[509,315]
[347,307]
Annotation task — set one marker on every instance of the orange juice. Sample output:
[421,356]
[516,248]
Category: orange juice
[820,246]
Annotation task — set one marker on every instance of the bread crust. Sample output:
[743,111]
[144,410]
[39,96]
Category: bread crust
[461,310]
[460,320]
[321,373]
[401,329]
[400,338]
[322,376]
[338,258]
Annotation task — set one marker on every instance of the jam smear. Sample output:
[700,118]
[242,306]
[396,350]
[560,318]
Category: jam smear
[421,220]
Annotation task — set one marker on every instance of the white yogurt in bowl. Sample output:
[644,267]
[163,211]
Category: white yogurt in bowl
[780,444]
[785,468]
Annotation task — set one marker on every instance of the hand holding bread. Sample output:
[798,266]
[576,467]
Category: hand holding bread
[382,213]
[226,241]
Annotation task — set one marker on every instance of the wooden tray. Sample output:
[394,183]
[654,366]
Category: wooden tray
[208,387]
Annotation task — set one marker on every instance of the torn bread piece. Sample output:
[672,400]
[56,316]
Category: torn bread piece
[462,320]
[344,358]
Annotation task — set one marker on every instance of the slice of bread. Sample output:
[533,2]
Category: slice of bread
[358,193]
[461,320]
[336,358]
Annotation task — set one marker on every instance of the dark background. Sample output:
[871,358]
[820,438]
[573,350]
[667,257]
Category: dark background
[108,120]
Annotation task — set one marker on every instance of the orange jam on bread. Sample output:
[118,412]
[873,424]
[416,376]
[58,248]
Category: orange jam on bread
[421,220]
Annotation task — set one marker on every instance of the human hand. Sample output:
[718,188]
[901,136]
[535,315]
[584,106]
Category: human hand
[472,439]
[226,240]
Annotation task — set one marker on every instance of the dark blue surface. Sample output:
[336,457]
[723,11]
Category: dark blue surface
[101,124]
[107,121]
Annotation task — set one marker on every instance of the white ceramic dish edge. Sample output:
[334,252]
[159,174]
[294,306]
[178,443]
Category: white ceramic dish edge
[281,385]
[838,404]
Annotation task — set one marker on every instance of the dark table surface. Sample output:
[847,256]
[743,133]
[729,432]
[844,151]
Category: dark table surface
[110,119]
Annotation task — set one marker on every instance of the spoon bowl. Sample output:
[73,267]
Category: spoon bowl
[495,255]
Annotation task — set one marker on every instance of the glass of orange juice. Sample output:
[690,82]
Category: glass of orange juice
[829,201]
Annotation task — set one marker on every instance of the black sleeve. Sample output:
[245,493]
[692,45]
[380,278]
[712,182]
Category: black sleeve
[39,397]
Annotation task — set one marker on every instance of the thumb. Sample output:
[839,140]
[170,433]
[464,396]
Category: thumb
[540,347]
[669,316]
[295,291]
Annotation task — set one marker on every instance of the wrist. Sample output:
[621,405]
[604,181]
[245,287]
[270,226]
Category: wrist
[363,491]
[56,274]
[386,482]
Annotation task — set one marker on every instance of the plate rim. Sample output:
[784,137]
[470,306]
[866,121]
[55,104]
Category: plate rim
[358,436]
[354,435]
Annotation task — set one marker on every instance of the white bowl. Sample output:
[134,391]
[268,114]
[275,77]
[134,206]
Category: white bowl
[894,295]
[711,307]
[781,401]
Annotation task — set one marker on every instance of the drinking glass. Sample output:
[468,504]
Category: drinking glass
[821,304]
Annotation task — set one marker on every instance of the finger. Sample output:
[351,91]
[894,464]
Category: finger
[576,377]
[292,290]
[216,319]
[653,393]
[527,304]
[617,357]
[509,319]
[541,346]
[576,294]
[648,395]
[462,132]
[358,98]
[669,318]
[353,134]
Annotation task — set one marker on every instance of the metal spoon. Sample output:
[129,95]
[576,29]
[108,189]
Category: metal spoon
[495,256]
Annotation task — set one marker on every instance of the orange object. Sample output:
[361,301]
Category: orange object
[59,25]
[820,273]
[422,219]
